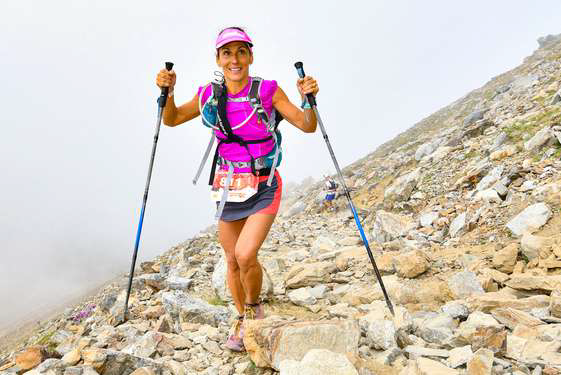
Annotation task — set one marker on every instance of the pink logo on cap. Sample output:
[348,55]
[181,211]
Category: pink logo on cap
[232,35]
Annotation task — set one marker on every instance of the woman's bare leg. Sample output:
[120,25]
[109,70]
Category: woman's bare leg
[228,233]
[250,239]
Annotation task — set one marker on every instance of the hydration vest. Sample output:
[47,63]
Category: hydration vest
[214,116]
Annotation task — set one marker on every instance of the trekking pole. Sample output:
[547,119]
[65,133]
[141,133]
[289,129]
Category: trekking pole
[312,100]
[161,104]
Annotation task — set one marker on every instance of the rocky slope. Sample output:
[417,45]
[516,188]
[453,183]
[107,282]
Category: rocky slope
[463,211]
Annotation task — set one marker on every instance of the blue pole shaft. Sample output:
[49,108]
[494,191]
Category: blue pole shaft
[141,220]
[351,205]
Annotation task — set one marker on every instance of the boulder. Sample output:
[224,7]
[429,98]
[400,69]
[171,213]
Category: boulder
[531,282]
[427,366]
[185,308]
[319,362]
[530,219]
[464,284]
[532,245]
[458,225]
[388,226]
[481,363]
[403,186]
[30,357]
[411,264]
[269,342]
[309,274]
[505,259]
[539,139]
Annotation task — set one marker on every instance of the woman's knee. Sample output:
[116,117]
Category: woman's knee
[231,261]
[245,259]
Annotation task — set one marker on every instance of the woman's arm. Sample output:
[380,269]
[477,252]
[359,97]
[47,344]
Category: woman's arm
[304,120]
[174,115]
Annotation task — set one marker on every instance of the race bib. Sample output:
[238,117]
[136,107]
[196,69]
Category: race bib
[242,186]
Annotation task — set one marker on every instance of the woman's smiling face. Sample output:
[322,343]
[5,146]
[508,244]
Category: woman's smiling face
[235,58]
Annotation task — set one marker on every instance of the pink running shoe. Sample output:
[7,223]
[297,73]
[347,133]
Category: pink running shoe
[235,341]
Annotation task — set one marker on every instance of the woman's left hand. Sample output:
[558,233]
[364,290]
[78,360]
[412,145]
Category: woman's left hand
[307,85]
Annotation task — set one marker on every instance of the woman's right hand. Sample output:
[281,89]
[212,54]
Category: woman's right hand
[166,78]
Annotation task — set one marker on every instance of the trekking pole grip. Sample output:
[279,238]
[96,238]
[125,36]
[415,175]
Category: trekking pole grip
[164,93]
[300,69]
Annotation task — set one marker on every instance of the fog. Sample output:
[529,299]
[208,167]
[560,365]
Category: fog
[78,111]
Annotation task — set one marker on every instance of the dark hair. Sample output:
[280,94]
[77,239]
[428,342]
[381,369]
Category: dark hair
[232,27]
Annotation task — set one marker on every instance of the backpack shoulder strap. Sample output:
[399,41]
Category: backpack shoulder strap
[255,99]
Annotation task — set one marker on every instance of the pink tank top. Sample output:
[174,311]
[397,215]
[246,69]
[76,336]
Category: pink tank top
[237,112]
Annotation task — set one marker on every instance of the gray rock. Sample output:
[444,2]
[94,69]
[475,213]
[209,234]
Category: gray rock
[428,218]
[51,366]
[181,283]
[154,280]
[403,186]
[464,284]
[145,346]
[193,310]
[493,176]
[539,139]
[319,362]
[531,245]
[456,310]
[530,219]
[473,117]
[426,149]
[460,356]
[499,141]
[388,226]
[302,297]
[437,330]
[419,351]
[381,334]
[458,225]
[118,363]
[319,291]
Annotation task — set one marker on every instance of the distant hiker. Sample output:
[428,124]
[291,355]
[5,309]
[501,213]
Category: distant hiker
[244,113]
[330,192]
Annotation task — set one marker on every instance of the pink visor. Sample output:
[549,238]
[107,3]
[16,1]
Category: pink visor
[232,35]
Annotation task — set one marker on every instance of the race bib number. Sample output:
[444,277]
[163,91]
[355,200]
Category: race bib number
[242,186]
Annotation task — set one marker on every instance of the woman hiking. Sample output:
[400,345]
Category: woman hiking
[246,184]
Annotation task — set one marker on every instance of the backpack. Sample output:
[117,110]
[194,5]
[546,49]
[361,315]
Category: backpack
[213,114]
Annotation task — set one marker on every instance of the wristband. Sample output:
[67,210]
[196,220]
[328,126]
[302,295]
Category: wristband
[305,104]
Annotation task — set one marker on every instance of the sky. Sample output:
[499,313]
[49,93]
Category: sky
[78,104]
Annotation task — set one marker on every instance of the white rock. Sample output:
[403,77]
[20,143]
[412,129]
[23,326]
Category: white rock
[488,196]
[302,297]
[458,225]
[539,139]
[528,185]
[530,219]
[492,177]
[460,356]
[388,226]
[403,186]
[531,245]
[318,362]
[428,218]
[464,284]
